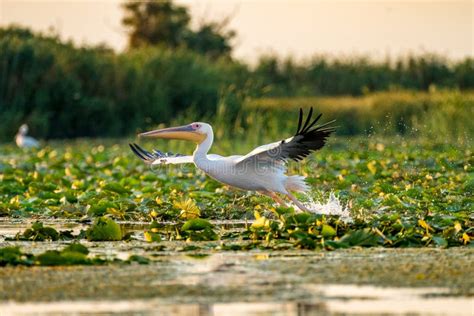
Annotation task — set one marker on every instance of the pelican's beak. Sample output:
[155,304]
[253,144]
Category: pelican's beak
[185,132]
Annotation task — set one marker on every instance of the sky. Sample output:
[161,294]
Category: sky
[297,28]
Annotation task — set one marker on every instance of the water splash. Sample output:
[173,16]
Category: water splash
[332,206]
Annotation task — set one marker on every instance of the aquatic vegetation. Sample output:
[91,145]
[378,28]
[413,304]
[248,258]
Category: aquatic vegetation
[378,192]
[188,209]
[151,236]
[198,229]
[70,255]
[61,258]
[305,230]
[39,232]
[73,254]
[104,229]
[13,256]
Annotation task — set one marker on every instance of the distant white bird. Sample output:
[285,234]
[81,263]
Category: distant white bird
[262,170]
[24,141]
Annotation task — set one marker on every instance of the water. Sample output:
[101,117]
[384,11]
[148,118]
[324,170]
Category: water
[332,206]
[416,281]
[332,300]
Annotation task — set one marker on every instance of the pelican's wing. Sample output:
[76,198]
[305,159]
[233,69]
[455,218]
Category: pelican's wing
[308,138]
[158,157]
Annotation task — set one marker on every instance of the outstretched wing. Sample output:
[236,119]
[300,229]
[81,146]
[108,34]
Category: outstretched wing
[158,157]
[309,137]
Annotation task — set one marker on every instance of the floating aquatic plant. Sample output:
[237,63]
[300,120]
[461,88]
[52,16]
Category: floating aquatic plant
[104,229]
[405,192]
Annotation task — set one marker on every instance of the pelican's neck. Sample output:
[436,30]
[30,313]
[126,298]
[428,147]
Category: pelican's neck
[200,154]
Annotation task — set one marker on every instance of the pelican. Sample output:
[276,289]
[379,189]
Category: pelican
[262,170]
[24,141]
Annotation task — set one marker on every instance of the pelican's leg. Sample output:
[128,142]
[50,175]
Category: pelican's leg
[275,197]
[297,203]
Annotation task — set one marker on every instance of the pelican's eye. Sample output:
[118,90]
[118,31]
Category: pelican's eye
[196,126]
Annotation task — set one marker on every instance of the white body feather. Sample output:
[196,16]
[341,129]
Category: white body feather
[239,171]
[24,141]
[262,170]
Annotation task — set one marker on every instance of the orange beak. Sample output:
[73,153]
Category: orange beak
[185,132]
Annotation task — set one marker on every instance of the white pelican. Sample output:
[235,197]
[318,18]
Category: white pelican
[24,141]
[262,170]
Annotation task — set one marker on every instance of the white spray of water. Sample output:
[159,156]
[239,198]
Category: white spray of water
[332,206]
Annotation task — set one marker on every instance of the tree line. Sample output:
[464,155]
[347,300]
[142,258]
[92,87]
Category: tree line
[62,90]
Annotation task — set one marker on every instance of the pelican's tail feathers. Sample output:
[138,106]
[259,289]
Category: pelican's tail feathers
[296,183]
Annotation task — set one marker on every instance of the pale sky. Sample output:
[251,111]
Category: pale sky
[300,28]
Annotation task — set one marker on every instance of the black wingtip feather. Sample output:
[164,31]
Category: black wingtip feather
[300,120]
[307,139]
[311,137]
[149,157]
[136,152]
[146,153]
[314,122]
[307,126]
[325,128]
[307,120]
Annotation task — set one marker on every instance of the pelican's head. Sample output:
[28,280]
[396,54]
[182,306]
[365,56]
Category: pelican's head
[196,132]
[23,129]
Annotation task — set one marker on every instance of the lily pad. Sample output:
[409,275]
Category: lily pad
[104,229]
[196,224]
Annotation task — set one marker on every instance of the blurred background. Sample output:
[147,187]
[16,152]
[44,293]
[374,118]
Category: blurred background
[111,68]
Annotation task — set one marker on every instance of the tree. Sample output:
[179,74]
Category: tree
[160,22]
[155,22]
[211,39]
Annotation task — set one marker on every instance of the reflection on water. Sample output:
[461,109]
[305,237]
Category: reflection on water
[257,282]
[10,227]
[332,300]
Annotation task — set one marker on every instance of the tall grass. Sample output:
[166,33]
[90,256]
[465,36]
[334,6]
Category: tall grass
[440,115]
[65,91]
[437,117]
[358,75]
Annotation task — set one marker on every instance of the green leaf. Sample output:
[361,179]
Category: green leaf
[100,208]
[10,256]
[361,237]
[327,231]
[202,235]
[440,241]
[115,187]
[260,223]
[51,258]
[139,259]
[39,232]
[58,258]
[151,236]
[196,224]
[76,247]
[104,229]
